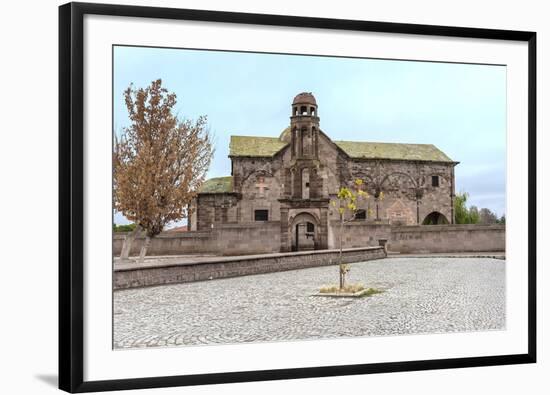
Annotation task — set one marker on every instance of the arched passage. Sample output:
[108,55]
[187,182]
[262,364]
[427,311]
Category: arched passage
[304,231]
[435,218]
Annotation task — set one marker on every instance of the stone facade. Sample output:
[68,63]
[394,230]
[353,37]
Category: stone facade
[290,181]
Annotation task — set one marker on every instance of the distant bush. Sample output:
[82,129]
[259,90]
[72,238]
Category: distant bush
[473,215]
[123,228]
[463,214]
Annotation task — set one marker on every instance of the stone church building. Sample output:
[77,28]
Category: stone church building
[286,184]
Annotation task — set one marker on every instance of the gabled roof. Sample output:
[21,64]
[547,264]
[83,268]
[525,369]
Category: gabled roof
[255,146]
[217,185]
[268,146]
[395,151]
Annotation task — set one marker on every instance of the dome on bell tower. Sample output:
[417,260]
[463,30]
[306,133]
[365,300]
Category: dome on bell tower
[304,105]
[304,98]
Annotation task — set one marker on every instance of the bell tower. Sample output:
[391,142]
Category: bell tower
[304,127]
[305,204]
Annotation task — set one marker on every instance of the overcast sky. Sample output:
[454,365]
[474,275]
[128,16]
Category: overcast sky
[459,108]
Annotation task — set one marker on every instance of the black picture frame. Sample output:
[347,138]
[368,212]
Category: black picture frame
[71,204]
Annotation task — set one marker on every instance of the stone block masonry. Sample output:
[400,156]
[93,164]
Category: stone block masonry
[422,239]
[447,238]
[226,239]
[143,275]
[265,238]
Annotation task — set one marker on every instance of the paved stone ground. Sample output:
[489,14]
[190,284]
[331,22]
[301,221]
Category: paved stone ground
[421,295]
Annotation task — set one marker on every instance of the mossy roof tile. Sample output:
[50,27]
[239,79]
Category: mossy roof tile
[254,146]
[268,146]
[396,151]
[217,185]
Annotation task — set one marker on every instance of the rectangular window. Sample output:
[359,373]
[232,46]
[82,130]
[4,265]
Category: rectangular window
[310,228]
[435,181]
[361,214]
[261,215]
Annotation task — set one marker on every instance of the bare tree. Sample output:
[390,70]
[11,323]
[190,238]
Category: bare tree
[159,162]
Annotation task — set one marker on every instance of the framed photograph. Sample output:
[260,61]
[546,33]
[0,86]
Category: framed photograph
[248,197]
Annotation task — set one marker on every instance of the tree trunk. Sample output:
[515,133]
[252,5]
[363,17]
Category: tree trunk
[144,248]
[127,245]
[342,279]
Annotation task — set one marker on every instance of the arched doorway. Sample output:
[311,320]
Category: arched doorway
[304,231]
[435,218]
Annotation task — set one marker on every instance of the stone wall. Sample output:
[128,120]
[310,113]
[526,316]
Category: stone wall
[248,238]
[168,243]
[216,208]
[238,266]
[358,234]
[421,238]
[227,239]
[447,238]
[264,237]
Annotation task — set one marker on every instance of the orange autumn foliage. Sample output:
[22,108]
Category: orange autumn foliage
[160,161]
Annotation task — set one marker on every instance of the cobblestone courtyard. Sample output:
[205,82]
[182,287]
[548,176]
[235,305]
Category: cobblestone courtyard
[421,295]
